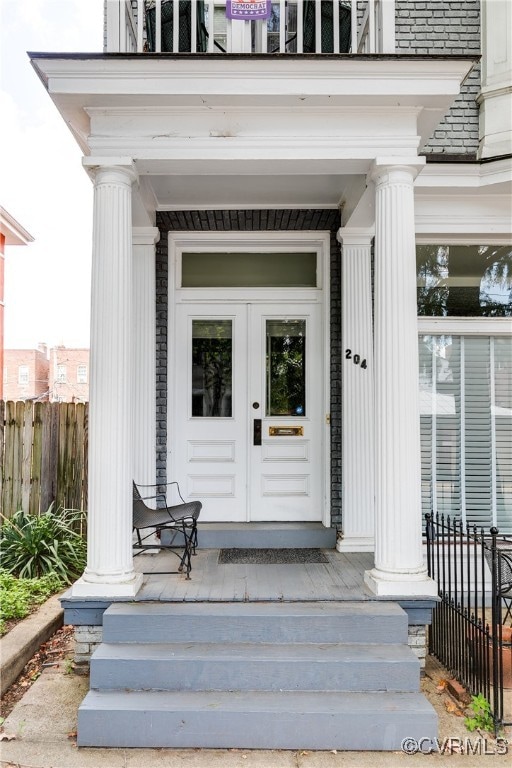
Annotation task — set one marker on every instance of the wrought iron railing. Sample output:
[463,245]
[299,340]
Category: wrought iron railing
[295,26]
[472,624]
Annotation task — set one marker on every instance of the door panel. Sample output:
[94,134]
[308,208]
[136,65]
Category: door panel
[286,373]
[249,410]
[210,455]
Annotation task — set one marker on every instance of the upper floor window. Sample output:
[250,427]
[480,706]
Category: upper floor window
[81,374]
[23,374]
[61,374]
[464,280]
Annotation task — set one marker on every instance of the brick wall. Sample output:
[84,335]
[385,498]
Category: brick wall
[71,390]
[42,374]
[268,220]
[446,27]
[36,361]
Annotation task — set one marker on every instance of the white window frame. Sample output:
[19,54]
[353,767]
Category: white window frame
[467,326]
[250,241]
[23,375]
[81,373]
[61,374]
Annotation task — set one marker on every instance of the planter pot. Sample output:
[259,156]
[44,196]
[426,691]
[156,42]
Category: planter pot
[477,647]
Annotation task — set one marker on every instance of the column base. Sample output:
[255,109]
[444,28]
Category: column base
[356,544]
[383,584]
[82,588]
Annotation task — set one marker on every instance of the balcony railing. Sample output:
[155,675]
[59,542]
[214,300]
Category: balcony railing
[303,26]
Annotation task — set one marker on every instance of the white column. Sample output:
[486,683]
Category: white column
[357,392]
[109,571]
[144,353]
[399,566]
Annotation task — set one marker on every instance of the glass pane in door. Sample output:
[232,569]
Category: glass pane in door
[212,354]
[286,368]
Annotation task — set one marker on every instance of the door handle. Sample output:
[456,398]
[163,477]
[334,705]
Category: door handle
[257,432]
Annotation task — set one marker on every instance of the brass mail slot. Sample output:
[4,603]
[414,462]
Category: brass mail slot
[286,431]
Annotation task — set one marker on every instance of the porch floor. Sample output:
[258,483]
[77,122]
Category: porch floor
[341,578]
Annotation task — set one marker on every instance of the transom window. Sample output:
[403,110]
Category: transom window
[262,269]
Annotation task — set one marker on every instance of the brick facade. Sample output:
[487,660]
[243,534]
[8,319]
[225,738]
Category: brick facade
[43,374]
[444,27]
[35,364]
[250,221]
[72,385]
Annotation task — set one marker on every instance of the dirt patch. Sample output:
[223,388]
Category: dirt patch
[57,651]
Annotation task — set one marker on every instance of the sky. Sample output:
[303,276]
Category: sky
[42,183]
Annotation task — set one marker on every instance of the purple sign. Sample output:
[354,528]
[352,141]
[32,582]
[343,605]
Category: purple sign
[248,9]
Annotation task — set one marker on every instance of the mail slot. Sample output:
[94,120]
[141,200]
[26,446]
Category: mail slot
[286,431]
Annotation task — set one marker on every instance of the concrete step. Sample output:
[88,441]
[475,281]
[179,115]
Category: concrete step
[254,720]
[265,535]
[250,666]
[330,622]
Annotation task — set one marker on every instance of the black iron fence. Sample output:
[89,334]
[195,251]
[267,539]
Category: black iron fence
[471,631]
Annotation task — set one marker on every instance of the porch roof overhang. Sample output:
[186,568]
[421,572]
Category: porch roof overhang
[304,128]
[464,202]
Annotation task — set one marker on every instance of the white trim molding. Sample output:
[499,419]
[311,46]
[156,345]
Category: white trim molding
[144,345]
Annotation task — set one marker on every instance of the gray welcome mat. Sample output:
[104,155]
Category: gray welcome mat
[270,556]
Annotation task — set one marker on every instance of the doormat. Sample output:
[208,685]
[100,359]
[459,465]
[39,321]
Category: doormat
[270,556]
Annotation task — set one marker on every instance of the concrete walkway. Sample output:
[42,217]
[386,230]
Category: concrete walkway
[19,645]
[44,724]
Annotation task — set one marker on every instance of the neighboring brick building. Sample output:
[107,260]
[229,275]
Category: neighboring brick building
[26,374]
[60,375]
[69,375]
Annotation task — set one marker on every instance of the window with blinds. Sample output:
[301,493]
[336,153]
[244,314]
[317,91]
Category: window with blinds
[466,428]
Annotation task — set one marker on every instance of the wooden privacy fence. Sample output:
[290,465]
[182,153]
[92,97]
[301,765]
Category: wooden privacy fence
[43,456]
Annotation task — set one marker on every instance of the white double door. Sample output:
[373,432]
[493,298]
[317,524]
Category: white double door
[249,417]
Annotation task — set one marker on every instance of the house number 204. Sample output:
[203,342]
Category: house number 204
[356,359]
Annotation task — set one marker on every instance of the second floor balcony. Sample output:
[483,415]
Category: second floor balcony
[203,26]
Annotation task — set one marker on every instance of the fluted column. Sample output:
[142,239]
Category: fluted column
[144,353]
[399,566]
[109,571]
[357,392]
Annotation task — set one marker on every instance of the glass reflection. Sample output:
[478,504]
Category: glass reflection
[286,368]
[212,356]
[464,281]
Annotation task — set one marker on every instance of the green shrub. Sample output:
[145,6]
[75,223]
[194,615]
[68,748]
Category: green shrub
[36,545]
[18,596]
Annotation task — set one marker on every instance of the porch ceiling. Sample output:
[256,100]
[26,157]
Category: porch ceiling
[222,191]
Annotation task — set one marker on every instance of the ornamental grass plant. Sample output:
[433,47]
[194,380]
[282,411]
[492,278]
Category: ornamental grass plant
[33,546]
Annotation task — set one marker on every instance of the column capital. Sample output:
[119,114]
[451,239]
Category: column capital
[389,169]
[145,235]
[360,236]
[111,169]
